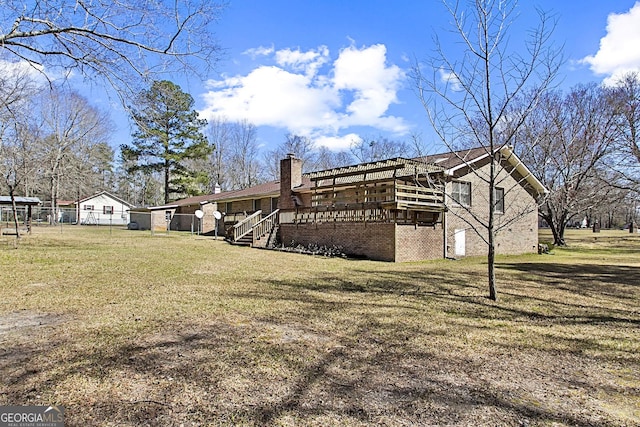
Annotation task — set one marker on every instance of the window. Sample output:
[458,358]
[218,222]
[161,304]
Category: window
[107,210]
[461,192]
[167,215]
[257,203]
[498,199]
[228,207]
[88,207]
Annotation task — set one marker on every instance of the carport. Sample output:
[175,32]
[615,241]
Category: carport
[26,202]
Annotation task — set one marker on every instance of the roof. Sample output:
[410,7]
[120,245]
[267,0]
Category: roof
[188,201]
[271,188]
[6,200]
[106,193]
[398,167]
[455,161]
[267,189]
[194,200]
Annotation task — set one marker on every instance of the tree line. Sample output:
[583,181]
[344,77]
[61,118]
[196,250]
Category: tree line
[583,144]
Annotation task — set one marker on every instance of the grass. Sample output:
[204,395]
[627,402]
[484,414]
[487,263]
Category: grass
[124,328]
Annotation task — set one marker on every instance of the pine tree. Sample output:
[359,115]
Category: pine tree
[168,133]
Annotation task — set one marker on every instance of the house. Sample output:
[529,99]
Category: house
[397,209]
[390,210]
[102,208]
[232,207]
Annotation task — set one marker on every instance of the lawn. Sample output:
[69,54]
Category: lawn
[124,328]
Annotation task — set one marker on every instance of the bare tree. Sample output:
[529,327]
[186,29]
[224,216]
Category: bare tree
[219,132]
[467,94]
[625,98]
[69,123]
[302,146]
[244,165]
[116,40]
[327,159]
[17,162]
[372,149]
[565,143]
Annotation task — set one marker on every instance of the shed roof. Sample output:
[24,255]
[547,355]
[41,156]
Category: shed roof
[24,201]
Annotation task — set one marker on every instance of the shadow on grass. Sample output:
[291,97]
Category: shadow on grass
[612,280]
[325,352]
[226,375]
[611,291]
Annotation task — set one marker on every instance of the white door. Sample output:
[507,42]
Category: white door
[459,240]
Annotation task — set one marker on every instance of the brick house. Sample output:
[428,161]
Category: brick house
[397,209]
[390,210]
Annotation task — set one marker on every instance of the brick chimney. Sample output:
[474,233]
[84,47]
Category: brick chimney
[290,178]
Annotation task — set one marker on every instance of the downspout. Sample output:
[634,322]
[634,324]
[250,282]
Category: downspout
[445,252]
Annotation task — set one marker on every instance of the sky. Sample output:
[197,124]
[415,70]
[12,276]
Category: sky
[338,70]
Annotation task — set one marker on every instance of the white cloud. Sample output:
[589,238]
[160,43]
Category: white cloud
[450,78]
[274,97]
[373,84]
[305,93]
[13,69]
[618,52]
[309,61]
[337,143]
[259,51]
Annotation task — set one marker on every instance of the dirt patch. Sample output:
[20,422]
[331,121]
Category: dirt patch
[25,319]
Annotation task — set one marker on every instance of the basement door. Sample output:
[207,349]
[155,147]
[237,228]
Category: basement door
[459,240]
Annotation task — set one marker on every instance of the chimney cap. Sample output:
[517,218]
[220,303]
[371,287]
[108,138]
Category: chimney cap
[291,155]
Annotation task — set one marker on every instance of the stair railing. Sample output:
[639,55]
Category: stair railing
[266,224]
[245,226]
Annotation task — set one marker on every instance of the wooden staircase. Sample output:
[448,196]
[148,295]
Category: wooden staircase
[246,240]
[255,231]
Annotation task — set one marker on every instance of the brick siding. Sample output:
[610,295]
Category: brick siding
[376,241]
[519,236]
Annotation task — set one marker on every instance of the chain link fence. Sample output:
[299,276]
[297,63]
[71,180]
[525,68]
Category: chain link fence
[150,222]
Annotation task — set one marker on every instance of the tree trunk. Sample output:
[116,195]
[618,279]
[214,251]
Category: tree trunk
[557,227]
[166,182]
[52,195]
[491,253]
[491,257]
[15,211]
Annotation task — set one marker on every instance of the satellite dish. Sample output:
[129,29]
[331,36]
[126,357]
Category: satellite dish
[199,213]
[217,214]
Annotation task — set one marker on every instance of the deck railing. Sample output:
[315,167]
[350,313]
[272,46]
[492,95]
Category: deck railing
[394,195]
[362,212]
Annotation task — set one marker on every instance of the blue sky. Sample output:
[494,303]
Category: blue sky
[337,70]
